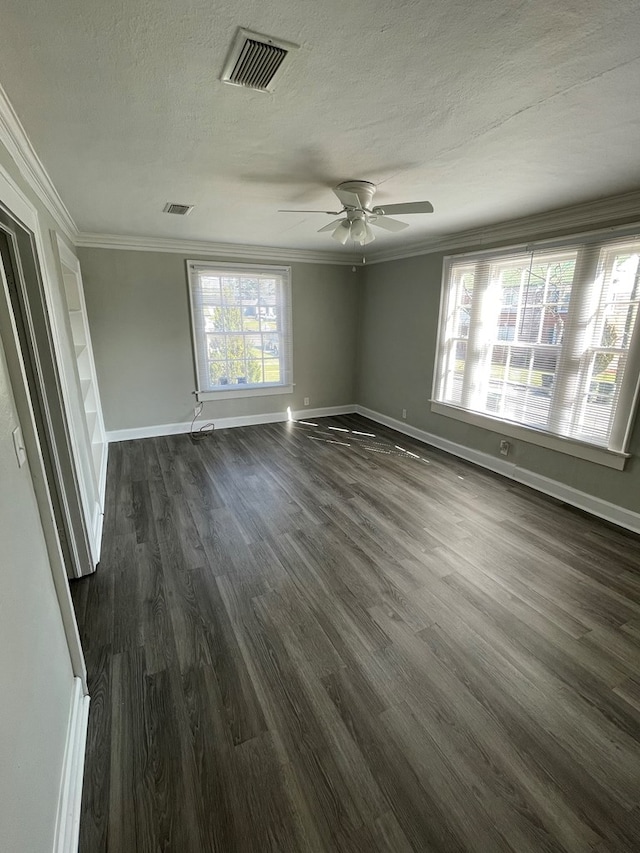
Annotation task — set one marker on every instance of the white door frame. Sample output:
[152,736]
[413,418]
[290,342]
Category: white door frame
[15,200]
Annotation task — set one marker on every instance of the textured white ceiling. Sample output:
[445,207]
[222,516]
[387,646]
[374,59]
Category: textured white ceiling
[491,110]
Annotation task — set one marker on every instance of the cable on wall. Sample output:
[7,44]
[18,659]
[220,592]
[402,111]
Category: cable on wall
[205,430]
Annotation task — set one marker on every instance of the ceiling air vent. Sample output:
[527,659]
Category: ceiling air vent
[178,209]
[255,60]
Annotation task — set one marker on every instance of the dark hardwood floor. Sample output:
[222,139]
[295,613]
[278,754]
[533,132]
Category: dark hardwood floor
[309,638]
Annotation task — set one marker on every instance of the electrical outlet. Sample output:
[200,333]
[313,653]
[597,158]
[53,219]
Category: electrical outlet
[404,413]
[505,447]
[306,401]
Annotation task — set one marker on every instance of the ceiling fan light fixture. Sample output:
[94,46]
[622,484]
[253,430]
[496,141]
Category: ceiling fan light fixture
[358,230]
[341,233]
[369,236]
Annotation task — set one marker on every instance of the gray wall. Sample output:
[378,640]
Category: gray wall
[36,677]
[368,337]
[138,310]
[398,328]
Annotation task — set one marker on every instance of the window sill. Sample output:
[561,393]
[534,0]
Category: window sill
[235,391]
[581,450]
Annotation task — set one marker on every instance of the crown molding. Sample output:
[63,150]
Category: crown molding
[194,248]
[605,213]
[16,141]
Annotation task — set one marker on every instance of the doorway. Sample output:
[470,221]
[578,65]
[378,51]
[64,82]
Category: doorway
[29,323]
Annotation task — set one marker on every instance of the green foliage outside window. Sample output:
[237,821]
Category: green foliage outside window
[232,358]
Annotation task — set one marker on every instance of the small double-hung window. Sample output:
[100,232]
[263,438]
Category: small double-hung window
[241,327]
[547,341]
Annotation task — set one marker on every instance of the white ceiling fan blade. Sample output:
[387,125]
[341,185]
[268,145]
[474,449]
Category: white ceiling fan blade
[406,207]
[329,212]
[348,198]
[389,224]
[330,226]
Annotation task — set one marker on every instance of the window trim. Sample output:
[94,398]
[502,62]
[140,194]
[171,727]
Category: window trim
[194,267]
[572,447]
[540,438]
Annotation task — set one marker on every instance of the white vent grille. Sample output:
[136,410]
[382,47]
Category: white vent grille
[255,60]
[178,209]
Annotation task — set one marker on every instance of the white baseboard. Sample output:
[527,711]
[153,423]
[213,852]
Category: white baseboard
[69,802]
[146,432]
[581,500]
[329,412]
[227,423]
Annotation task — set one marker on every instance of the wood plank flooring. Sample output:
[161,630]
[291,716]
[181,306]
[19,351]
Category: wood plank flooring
[330,637]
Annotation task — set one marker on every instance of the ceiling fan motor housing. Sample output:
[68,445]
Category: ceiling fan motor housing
[364,190]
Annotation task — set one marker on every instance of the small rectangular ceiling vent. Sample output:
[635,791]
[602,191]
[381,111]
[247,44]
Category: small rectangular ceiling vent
[255,60]
[178,209]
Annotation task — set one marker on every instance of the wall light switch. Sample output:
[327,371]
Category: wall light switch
[18,444]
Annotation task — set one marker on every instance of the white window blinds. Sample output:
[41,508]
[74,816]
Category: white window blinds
[547,339]
[241,324]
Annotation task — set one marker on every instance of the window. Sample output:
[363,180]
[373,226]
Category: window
[241,325]
[546,341]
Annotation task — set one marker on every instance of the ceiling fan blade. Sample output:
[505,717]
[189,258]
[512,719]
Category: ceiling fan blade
[348,198]
[388,223]
[329,212]
[330,226]
[406,207]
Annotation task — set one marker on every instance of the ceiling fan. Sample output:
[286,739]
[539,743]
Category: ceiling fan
[356,198]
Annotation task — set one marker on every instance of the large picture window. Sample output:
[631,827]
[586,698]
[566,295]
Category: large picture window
[241,324]
[547,340]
